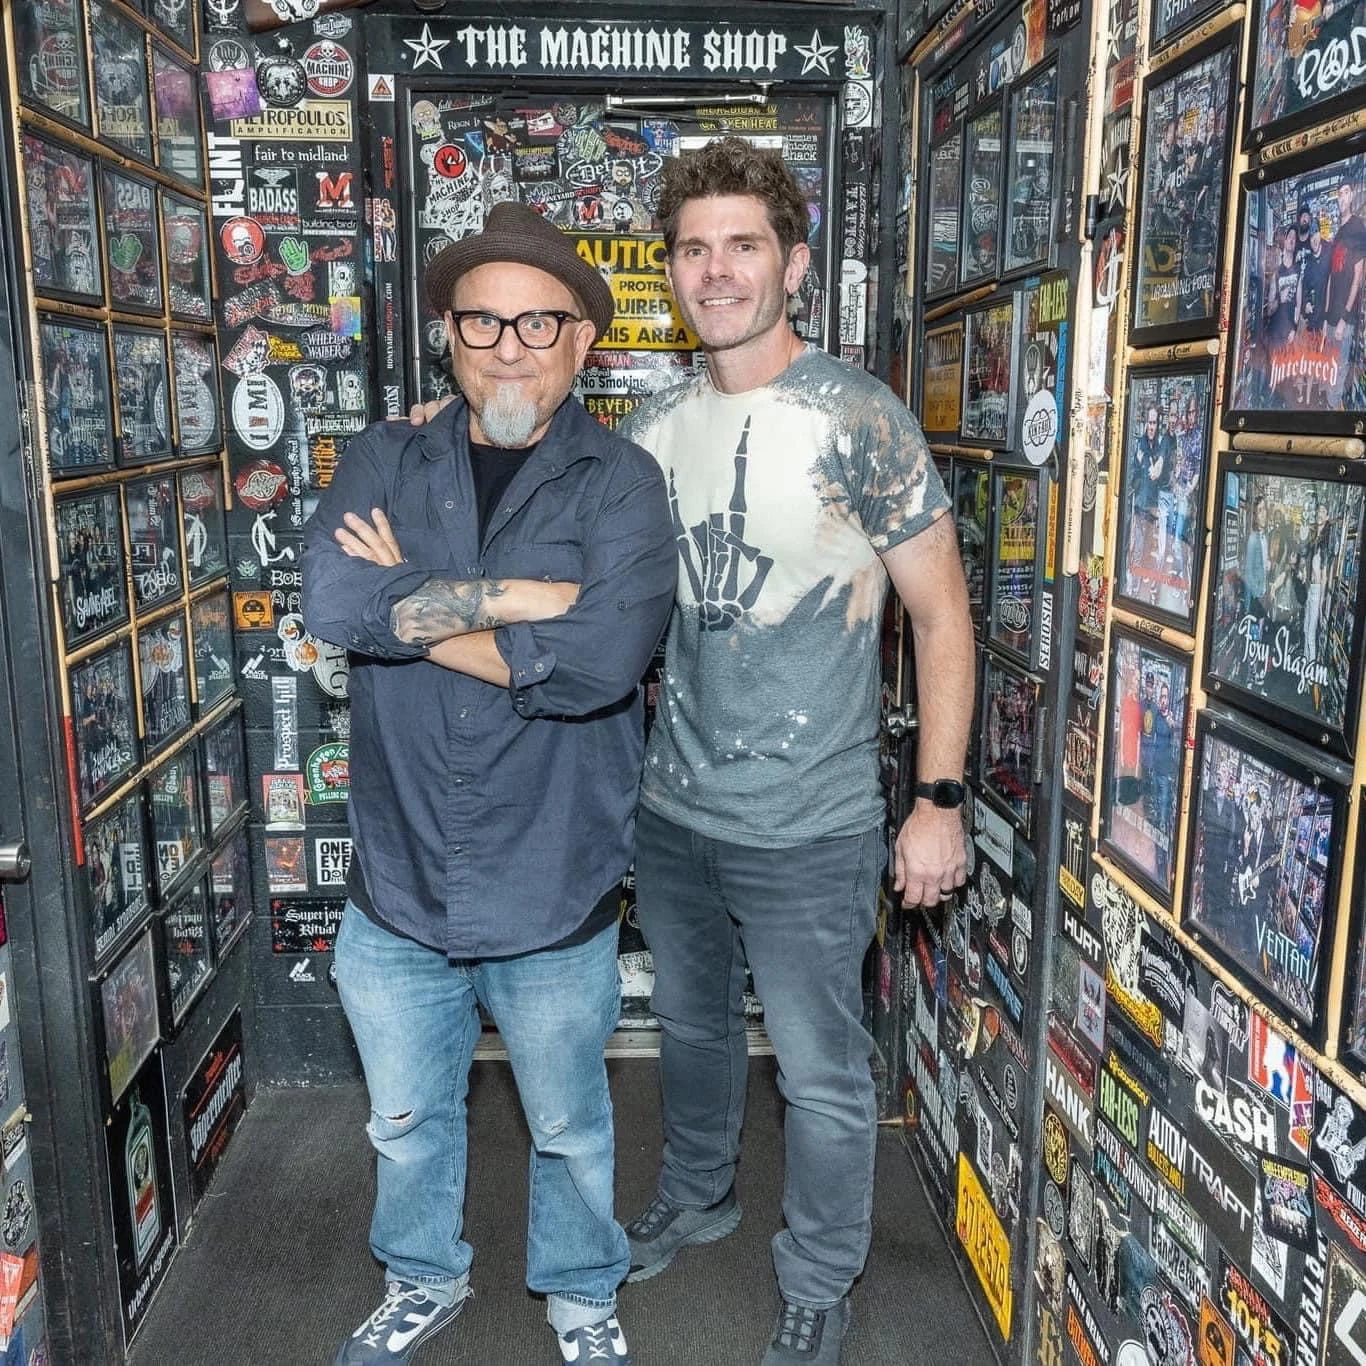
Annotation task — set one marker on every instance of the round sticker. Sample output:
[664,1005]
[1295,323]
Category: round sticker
[196,490]
[281,81]
[244,241]
[1040,432]
[258,411]
[261,485]
[328,69]
[449,161]
[1054,1147]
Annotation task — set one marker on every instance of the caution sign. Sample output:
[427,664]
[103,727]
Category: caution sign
[985,1242]
[646,316]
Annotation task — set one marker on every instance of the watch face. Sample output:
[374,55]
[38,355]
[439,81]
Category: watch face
[947,792]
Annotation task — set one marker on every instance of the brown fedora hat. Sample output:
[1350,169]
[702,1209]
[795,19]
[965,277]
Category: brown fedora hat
[514,232]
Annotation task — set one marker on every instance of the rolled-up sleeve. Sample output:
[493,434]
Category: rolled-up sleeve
[348,601]
[595,654]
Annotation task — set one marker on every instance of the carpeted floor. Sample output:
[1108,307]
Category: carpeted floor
[276,1270]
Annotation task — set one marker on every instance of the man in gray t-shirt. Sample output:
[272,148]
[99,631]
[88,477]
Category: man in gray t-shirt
[798,485]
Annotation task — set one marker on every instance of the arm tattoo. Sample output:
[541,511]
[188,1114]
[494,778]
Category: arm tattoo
[443,608]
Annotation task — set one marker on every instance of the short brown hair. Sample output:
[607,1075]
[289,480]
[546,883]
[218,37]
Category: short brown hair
[733,166]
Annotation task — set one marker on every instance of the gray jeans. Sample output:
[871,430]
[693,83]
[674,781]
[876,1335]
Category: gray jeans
[803,919]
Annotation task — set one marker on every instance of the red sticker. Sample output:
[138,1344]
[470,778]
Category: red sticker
[449,161]
[261,485]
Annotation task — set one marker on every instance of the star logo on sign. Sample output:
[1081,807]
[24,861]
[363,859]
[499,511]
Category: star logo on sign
[427,48]
[815,55]
[1117,183]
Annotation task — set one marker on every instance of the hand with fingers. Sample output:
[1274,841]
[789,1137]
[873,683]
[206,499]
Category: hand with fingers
[930,860]
[373,540]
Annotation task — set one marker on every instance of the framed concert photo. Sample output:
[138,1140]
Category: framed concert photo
[128,1010]
[1148,696]
[1012,606]
[92,582]
[983,170]
[944,198]
[1029,177]
[175,96]
[1005,756]
[225,772]
[123,116]
[103,725]
[230,884]
[173,793]
[206,531]
[164,670]
[989,363]
[211,635]
[199,416]
[63,221]
[1297,356]
[189,288]
[941,379]
[971,494]
[153,540]
[1167,428]
[1306,66]
[1263,864]
[50,59]
[1285,621]
[187,949]
[132,242]
[143,390]
[1182,192]
[115,875]
[77,401]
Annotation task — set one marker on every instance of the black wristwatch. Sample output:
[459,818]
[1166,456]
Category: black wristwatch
[943,792]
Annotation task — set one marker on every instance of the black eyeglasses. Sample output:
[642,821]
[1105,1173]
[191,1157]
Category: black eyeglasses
[538,328]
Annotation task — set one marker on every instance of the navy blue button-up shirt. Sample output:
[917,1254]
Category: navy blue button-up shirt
[490,820]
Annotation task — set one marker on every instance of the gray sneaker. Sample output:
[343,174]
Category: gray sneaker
[656,1236]
[808,1337]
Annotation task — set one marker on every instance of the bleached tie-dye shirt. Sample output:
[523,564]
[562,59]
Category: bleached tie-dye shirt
[782,499]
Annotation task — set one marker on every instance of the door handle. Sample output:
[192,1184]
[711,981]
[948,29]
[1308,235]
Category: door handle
[900,721]
[15,861]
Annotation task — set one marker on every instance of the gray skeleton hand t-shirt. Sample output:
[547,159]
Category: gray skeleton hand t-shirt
[782,499]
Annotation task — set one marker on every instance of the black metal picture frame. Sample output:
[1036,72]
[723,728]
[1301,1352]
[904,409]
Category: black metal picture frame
[174,799]
[1030,193]
[63,214]
[78,401]
[122,105]
[1296,343]
[189,278]
[114,873]
[1178,249]
[1304,69]
[979,249]
[143,389]
[225,772]
[92,569]
[104,728]
[212,654]
[1262,866]
[941,379]
[230,884]
[1018,512]
[153,540]
[131,1023]
[1007,736]
[164,671]
[1284,626]
[206,532]
[1147,703]
[944,207]
[50,58]
[971,494]
[187,950]
[132,242]
[1168,433]
[179,127]
[989,350]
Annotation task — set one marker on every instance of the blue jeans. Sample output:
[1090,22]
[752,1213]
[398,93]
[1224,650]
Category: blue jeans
[803,919]
[415,1021]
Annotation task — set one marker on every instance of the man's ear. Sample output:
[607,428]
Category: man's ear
[798,262]
[449,322]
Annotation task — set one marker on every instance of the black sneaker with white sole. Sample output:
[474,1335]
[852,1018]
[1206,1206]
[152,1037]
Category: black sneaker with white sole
[657,1235]
[601,1342]
[407,1317]
[808,1337]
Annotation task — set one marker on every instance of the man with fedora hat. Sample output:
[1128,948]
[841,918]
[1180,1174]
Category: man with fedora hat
[501,576]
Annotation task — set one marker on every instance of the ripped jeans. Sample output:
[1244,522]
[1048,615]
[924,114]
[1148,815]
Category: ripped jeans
[413,1014]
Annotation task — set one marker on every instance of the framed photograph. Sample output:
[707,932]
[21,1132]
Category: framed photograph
[175,96]
[983,171]
[1352,1043]
[178,20]
[206,531]
[1029,176]
[187,949]
[177,827]
[990,361]
[128,1007]
[188,281]
[105,730]
[143,389]
[115,875]
[230,884]
[199,415]
[79,408]
[1297,356]
[92,583]
[1263,867]
[164,669]
[971,493]
[49,56]
[153,539]
[63,220]
[211,634]
[1284,632]
[122,109]
[1148,696]
[941,379]
[945,198]
[225,772]
[132,242]
[1015,508]
[1042,305]
[1183,188]
[1301,71]
[1009,712]
[1169,19]
[1167,421]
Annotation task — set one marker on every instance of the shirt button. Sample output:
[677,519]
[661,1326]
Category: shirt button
[450,502]
[464,712]
[460,782]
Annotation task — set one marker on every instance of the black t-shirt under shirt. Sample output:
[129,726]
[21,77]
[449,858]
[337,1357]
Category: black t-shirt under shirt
[493,468]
